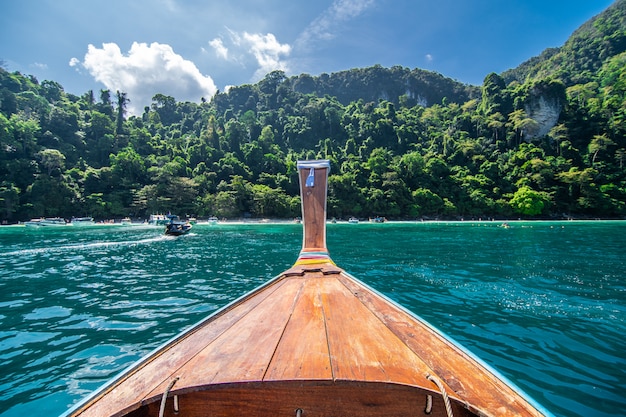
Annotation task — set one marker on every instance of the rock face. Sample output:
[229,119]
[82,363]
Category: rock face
[546,112]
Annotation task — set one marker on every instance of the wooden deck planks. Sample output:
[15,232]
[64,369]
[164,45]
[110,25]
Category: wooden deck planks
[303,349]
[243,352]
[361,346]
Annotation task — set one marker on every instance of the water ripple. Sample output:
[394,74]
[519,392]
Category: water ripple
[544,305]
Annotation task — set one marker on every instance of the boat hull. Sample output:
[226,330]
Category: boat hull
[47,222]
[313,398]
[177,229]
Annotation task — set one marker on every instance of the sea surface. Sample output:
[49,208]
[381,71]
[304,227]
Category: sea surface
[544,303]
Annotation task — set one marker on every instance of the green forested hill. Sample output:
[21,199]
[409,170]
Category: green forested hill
[392,84]
[547,139]
[583,54]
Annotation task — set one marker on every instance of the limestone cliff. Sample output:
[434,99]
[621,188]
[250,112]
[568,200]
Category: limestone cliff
[545,111]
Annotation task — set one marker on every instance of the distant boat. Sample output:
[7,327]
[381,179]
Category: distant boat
[353,220]
[212,220]
[126,221]
[47,222]
[83,221]
[177,227]
[314,341]
[158,220]
[378,219]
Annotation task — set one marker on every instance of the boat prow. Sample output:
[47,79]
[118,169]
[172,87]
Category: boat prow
[313,341]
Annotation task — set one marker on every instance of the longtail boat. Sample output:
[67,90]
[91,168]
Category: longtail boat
[313,341]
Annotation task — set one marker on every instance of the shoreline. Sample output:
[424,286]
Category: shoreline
[261,222]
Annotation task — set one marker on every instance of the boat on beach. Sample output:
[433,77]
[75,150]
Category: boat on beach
[47,222]
[313,341]
[158,220]
[83,221]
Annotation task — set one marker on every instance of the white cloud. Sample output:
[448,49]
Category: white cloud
[219,47]
[262,51]
[40,66]
[330,21]
[428,57]
[145,71]
[267,51]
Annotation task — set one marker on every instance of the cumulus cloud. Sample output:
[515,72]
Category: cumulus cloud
[428,57]
[219,47]
[262,50]
[145,71]
[325,26]
[267,51]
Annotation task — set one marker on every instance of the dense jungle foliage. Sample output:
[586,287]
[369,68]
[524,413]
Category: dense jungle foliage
[547,139]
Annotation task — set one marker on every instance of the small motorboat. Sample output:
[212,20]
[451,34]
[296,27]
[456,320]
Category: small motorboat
[314,341]
[177,227]
[83,221]
[47,222]
[158,220]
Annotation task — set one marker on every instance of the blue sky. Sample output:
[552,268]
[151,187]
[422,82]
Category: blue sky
[191,48]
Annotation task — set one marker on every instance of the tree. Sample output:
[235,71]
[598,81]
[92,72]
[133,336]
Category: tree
[529,202]
[558,134]
[52,160]
[100,138]
[597,144]
[105,106]
[270,202]
[522,124]
[24,131]
[377,164]
[128,167]
[122,102]
[493,95]
[165,107]
[9,199]
[427,202]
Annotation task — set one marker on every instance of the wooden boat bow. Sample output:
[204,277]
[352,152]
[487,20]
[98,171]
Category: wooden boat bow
[313,341]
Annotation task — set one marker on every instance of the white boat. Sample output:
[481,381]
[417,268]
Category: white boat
[47,222]
[212,220]
[126,221]
[158,220]
[83,221]
[353,220]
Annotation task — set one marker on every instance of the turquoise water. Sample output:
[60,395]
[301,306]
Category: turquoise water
[544,303]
